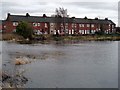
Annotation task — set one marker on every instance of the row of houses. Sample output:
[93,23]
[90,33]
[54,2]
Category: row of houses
[60,25]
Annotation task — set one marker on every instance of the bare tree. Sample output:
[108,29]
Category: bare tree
[60,14]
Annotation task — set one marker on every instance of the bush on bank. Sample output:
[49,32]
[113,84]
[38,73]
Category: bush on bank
[25,30]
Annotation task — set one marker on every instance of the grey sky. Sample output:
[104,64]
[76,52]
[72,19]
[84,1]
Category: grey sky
[80,8]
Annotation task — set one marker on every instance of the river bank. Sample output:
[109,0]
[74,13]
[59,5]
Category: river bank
[51,38]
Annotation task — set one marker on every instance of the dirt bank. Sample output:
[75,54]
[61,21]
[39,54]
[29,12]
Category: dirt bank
[10,36]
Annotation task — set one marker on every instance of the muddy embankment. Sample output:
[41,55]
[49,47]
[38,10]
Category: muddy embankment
[50,38]
[18,79]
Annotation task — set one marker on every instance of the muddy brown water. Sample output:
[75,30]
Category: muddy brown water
[64,65]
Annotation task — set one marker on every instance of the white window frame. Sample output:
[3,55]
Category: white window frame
[66,24]
[79,31]
[88,25]
[87,32]
[45,25]
[69,31]
[92,31]
[14,30]
[15,23]
[81,25]
[4,26]
[113,26]
[82,32]
[51,24]
[38,24]
[66,30]
[73,25]
[92,25]
[34,24]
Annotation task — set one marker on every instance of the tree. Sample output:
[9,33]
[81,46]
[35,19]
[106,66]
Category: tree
[102,28]
[60,13]
[118,29]
[24,29]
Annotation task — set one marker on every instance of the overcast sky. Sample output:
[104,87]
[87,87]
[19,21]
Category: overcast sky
[78,8]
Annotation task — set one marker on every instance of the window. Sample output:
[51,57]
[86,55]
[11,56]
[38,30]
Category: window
[61,25]
[51,24]
[15,23]
[66,30]
[66,24]
[62,29]
[34,24]
[4,26]
[72,24]
[92,25]
[72,31]
[38,24]
[87,32]
[75,25]
[81,25]
[14,30]
[46,25]
[112,30]
[88,25]
[69,31]
[93,31]
[80,31]
[112,26]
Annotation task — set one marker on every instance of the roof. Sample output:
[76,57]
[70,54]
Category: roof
[2,21]
[18,18]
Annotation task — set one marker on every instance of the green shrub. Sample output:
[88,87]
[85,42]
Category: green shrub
[24,29]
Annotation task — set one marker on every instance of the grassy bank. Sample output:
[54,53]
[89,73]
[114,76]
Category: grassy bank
[49,38]
[11,36]
[99,38]
[89,38]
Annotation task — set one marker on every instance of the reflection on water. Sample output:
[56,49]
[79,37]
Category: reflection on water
[65,65]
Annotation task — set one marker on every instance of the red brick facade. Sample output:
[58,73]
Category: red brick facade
[44,25]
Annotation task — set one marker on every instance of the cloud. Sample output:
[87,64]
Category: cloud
[77,9]
[95,5]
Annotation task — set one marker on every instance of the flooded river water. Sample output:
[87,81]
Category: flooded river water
[64,65]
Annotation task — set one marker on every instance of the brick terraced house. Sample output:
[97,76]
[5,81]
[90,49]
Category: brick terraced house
[65,25]
[1,25]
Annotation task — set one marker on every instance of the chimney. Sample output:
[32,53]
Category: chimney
[85,17]
[44,15]
[8,14]
[106,18]
[96,18]
[73,17]
[27,15]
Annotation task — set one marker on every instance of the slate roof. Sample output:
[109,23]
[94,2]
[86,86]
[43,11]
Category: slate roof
[18,18]
[2,21]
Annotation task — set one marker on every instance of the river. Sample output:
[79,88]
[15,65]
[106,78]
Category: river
[92,64]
